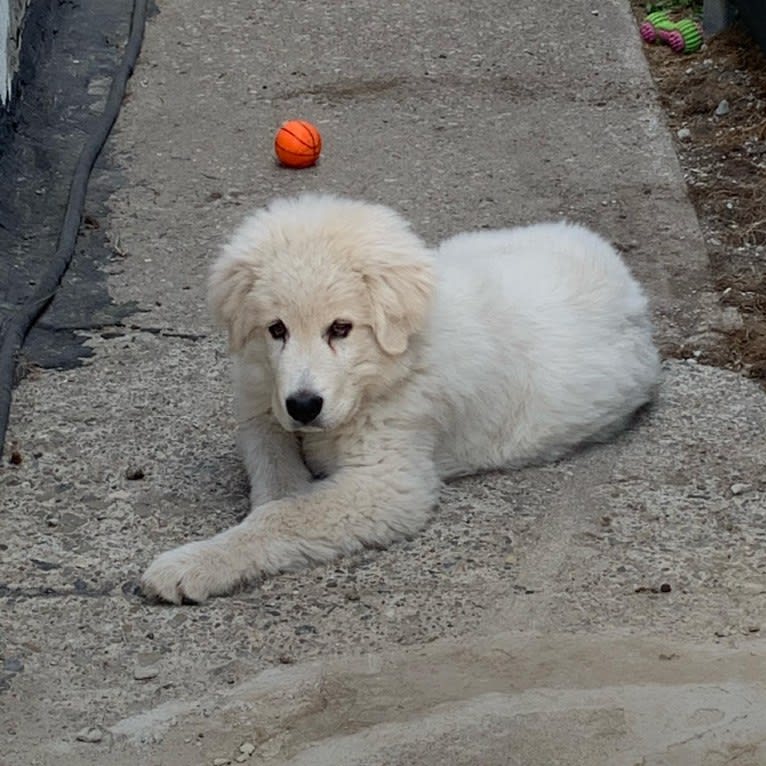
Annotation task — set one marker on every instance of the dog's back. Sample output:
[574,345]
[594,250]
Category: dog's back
[539,339]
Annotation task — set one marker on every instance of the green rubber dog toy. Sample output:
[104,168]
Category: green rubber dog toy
[682,36]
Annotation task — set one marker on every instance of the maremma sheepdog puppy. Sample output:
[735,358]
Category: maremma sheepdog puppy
[368,368]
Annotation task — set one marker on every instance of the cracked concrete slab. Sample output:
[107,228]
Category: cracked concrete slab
[604,609]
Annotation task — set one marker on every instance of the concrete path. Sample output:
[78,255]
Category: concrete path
[604,610]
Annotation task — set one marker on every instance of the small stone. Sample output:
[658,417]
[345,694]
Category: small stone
[731,319]
[740,488]
[723,108]
[221,761]
[145,673]
[510,559]
[248,748]
[134,473]
[684,134]
[13,665]
[241,758]
[89,734]
[665,587]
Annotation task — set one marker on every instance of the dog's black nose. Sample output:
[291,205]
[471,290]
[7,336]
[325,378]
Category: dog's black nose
[304,406]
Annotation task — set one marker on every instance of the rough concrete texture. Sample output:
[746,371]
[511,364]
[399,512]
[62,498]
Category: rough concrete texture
[603,610]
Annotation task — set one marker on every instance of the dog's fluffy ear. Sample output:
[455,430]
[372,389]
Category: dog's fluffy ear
[230,283]
[400,294]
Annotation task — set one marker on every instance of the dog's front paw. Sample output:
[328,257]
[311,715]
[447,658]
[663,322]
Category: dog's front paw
[193,572]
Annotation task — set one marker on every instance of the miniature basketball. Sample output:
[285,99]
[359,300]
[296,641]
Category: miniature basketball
[297,144]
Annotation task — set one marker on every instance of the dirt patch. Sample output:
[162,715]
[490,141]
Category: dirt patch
[715,103]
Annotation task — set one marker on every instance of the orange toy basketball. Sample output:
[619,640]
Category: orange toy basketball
[297,144]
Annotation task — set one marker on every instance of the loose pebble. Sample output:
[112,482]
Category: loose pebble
[248,748]
[134,473]
[13,665]
[221,761]
[684,134]
[740,488]
[145,673]
[241,758]
[90,734]
[723,108]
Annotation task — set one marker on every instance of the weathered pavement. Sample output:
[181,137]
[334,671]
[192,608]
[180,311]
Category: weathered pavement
[604,610]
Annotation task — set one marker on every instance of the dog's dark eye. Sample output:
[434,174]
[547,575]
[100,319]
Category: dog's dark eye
[339,329]
[277,330]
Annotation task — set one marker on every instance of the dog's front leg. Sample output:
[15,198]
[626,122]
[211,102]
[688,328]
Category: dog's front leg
[273,460]
[370,505]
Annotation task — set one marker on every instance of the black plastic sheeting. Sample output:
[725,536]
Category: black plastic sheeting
[76,61]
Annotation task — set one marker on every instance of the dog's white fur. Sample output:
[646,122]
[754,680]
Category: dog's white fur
[499,349]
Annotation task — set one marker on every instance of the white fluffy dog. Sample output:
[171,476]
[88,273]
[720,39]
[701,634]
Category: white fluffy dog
[368,369]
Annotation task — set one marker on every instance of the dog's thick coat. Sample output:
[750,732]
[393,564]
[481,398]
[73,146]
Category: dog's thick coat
[499,349]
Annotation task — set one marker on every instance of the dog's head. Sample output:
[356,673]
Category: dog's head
[327,292]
